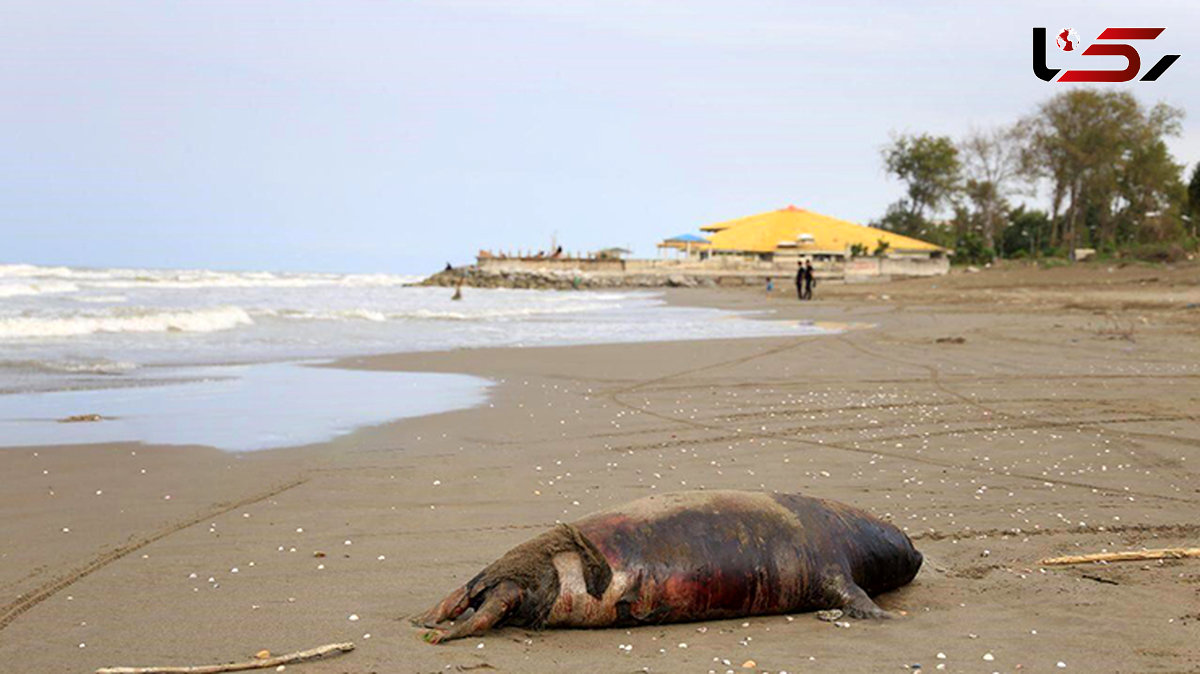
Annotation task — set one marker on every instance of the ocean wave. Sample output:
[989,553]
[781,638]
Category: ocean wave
[493,314]
[202,278]
[37,288]
[360,314]
[101,299]
[379,316]
[27,270]
[251,281]
[70,366]
[126,320]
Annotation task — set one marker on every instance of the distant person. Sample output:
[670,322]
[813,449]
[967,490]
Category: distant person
[770,285]
[449,267]
[809,280]
[800,280]
[558,252]
[458,290]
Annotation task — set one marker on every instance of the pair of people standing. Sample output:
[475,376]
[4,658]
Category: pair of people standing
[804,279]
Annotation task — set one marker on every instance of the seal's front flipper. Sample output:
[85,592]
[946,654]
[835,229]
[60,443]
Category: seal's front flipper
[448,609]
[844,593]
[500,600]
[858,605]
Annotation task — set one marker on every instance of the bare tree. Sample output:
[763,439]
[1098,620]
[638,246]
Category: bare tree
[991,161]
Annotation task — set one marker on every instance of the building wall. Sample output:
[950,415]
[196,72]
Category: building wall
[897,266]
[861,267]
[550,264]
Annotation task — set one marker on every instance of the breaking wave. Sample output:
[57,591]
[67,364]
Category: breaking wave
[130,320]
[195,278]
[36,288]
[71,366]
[374,315]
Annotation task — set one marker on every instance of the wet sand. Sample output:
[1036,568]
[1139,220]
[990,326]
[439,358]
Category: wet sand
[1064,422]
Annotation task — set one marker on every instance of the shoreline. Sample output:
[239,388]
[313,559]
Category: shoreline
[573,429]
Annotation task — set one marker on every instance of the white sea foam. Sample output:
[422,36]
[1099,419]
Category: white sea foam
[202,278]
[133,321]
[24,270]
[363,313]
[493,314]
[100,299]
[70,366]
[79,321]
[36,288]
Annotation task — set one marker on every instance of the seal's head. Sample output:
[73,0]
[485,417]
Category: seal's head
[884,557]
[520,588]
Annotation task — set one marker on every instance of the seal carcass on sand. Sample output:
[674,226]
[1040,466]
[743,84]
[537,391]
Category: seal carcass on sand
[697,555]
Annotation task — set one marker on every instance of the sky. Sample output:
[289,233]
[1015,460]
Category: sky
[393,137]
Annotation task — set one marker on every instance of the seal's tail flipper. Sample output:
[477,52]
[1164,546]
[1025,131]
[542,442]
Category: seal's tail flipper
[500,600]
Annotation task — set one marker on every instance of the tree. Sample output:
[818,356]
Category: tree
[929,167]
[1106,160]
[991,166]
[1193,200]
[1027,233]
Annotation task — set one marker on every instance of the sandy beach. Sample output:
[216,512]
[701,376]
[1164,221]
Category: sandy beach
[999,417]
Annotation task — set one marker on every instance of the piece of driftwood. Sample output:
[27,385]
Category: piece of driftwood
[1133,556]
[298,656]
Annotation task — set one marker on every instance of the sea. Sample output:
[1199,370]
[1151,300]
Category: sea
[224,358]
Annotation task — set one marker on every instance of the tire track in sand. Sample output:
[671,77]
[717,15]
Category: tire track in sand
[934,378]
[28,600]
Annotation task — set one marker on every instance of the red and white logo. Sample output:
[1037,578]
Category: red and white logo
[1068,40]
[1110,42]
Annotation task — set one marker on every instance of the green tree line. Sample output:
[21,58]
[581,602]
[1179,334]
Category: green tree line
[1097,159]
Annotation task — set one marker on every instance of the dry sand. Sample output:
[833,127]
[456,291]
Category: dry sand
[1066,422]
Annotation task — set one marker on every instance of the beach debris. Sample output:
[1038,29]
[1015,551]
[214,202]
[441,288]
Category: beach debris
[951,340]
[1132,556]
[80,418]
[830,615]
[257,663]
[262,655]
[749,664]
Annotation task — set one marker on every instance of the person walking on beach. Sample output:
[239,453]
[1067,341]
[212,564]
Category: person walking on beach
[770,285]
[809,281]
[800,280]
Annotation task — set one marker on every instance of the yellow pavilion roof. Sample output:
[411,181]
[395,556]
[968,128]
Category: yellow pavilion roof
[763,233]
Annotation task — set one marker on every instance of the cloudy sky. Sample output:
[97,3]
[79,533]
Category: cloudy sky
[394,136]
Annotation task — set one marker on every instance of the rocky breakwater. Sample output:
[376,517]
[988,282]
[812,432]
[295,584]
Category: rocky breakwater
[562,279]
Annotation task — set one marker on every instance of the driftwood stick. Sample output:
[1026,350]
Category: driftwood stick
[1134,556]
[298,656]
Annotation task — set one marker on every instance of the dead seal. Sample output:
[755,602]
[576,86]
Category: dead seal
[686,556]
